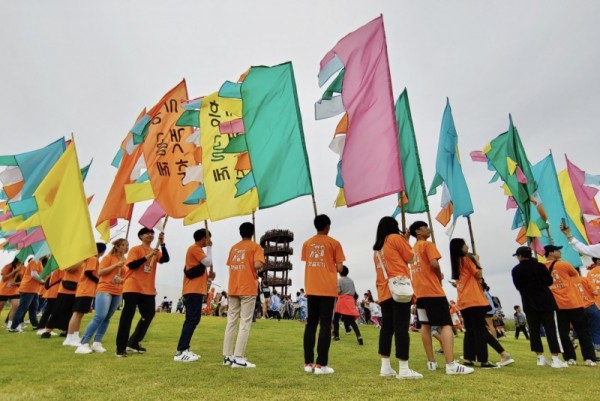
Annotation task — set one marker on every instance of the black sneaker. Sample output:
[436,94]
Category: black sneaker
[336,339]
[360,341]
[488,365]
[45,334]
[136,348]
[121,354]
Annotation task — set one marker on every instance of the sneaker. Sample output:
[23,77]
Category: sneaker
[589,362]
[360,341]
[71,343]
[541,361]
[348,333]
[121,354]
[572,362]
[387,372]
[242,363]
[227,361]
[408,374]
[83,349]
[489,365]
[309,367]
[185,356]
[432,365]
[40,332]
[505,361]
[97,347]
[46,334]
[63,334]
[456,368]
[17,330]
[557,363]
[323,370]
[336,339]
[440,351]
[189,351]
[136,348]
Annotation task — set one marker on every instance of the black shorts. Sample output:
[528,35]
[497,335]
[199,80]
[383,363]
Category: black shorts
[434,311]
[61,312]
[82,304]
[4,298]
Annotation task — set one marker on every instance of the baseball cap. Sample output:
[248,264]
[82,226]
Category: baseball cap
[551,248]
[524,251]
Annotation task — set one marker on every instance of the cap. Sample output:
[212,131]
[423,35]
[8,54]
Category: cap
[524,251]
[551,248]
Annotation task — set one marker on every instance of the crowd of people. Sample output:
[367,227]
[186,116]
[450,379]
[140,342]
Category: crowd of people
[555,297]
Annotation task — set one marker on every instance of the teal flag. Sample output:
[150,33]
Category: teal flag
[448,169]
[274,135]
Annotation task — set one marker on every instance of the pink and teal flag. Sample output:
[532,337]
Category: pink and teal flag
[590,215]
[370,160]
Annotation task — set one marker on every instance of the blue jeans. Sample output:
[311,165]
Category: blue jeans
[193,313]
[593,316]
[28,301]
[105,306]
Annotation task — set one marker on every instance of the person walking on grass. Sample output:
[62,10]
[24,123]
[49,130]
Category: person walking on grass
[392,253]
[108,297]
[532,279]
[472,303]
[245,259]
[139,291]
[9,288]
[345,307]
[433,308]
[520,323]
[275,305]
[195,286]
[324,258]
[28,295]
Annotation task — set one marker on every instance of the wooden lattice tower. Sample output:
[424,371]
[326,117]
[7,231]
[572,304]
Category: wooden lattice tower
[274,273]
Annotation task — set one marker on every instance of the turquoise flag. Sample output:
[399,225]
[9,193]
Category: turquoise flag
[274,135]
[448,169]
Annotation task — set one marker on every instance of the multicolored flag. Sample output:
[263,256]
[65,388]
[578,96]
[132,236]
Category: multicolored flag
[370,165]
[585,195]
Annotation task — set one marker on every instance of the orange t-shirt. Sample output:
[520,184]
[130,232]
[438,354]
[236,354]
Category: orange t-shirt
[425,282]
[243,279]
[28,284]
[321,254]
[586,289]
[197,285]
[395,255]
[106,284]
[73,275]
[5,290]
[469,290]
[87,287]
[594,277]
[141,280]
[52,292]
[565,293]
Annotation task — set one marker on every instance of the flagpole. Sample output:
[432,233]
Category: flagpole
[208,236]
[129,221]
[402,211]
[431,226]
[314,202]
[254,224]
[158,243]
[471,234]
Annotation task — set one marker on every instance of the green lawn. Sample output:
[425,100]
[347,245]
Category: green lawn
[35,369]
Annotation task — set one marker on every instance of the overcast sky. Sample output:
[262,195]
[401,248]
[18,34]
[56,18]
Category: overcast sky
[90,67]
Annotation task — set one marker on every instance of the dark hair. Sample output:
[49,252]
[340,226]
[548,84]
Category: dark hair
[322,221]
[415,226]
[517,307]
[344,271]
[200,234]
[594,260]
[387,225]
[456,253]
[144,230]
[100,247]
[246,230]
[15,262]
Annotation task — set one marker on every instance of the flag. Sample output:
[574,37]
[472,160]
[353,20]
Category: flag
[449,171]
[152,215]
[585,195]
[63,211]
[416,197]
[571,206]
[370,158]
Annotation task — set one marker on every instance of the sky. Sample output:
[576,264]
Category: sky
[88,68]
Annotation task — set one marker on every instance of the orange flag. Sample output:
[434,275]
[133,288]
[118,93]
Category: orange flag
[168,154]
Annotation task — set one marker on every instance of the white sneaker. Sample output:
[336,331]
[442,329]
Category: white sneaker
[185,357]
[541,361]
[309,367]
[557,363]
[97,347]
[572,362]
[323,370]
[505,361]
[189,351]
[408,374]
[83,349]
[241,363]
[40,331]
[456,368]
[387,372]
[432,365]
[227,360]
[71,343]
[589,362]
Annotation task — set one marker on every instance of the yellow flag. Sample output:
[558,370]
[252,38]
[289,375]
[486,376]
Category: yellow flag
[220,175]
[511,164]
[571,203]
[11,224]
[138,192]
[340,200]
[63,211]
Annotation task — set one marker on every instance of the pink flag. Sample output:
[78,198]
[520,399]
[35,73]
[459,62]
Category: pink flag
[510,203]
[5,216]
[371,165]
[36,235]
[232,127]
[152,215]
[587,203]
[520,176]
[17,237]
[537,246]
[478,156]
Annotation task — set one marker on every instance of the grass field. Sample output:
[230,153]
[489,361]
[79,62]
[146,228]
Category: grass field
[36,369]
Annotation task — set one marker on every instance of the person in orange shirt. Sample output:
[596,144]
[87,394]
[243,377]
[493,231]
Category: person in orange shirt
[473,305]
[392,252]
[195,279]
[324,258]
[139,291]
[593,276]
[570,307]
[108,297]
[9,287]
[84,296]
[28,295]
[589,291]
[245,258]
[50,294]
[433,308]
